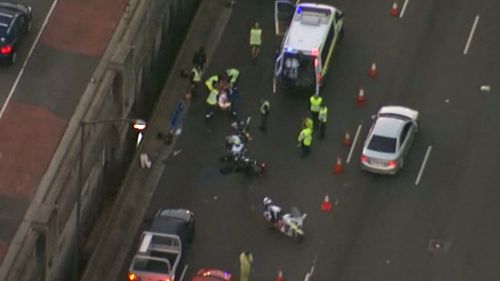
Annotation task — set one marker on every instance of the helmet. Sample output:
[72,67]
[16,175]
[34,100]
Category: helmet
[267,201]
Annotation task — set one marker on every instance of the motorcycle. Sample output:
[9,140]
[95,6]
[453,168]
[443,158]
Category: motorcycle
[242,163]
[289,224]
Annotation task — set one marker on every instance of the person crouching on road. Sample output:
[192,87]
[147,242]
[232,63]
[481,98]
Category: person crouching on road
[211,103]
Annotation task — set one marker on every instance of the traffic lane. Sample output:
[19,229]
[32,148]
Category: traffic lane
[396,95]
[438,108]
[228,210]
[8,74]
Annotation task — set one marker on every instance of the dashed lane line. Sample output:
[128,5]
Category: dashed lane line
[471,34]
[403,9]
[422,167]
[354,143]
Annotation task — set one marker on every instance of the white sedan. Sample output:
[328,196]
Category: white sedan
[389,139]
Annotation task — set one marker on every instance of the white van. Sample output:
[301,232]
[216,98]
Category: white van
[311,32]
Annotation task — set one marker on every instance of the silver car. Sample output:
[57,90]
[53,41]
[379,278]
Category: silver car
[389,139]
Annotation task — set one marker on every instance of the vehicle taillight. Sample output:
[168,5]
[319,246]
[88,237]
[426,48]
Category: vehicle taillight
[364,159]
[168,279]
[392,163]
[133,277]
[6,49]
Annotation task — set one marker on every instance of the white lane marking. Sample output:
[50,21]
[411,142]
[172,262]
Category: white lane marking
[184,272]
[403,8]
[310,273]
[274,85]
[471,34]
[422,167]
[354,143]
[21,71]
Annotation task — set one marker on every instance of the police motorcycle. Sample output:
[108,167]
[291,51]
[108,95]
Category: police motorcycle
[289,224]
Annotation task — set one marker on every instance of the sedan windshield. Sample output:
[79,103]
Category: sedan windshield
[382,144]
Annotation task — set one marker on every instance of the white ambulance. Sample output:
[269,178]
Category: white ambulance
[311,32]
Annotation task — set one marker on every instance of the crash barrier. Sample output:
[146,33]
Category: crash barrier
[140,51]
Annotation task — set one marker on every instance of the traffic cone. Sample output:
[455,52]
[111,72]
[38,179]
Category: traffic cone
[347,139]
[360,98]
[326,206]
[280,276]
[394,9]
[338,168]
[372,72]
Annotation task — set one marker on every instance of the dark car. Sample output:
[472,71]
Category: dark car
[15,23]
[175,221]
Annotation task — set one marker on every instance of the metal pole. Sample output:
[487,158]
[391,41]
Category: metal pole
[76,260]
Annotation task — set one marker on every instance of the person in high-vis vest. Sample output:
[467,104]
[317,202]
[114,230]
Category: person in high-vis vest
[308,123]
[195,79]
[246,260]
[305,140]
[322,117]
[212,82]
[314,106]
[265,109]
[211,103]
[255,40]
[232,74]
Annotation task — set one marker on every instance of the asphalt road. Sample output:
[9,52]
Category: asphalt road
[383,228]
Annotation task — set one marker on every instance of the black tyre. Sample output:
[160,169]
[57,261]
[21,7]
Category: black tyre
[12,58]
[297,237]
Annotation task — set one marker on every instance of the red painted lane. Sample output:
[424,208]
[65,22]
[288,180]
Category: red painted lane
[3,249]
[83,26]
[30,136]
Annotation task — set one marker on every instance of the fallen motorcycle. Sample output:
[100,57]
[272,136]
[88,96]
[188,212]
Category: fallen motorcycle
[242,163]
[289,224]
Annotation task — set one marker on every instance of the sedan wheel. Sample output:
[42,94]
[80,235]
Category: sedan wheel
[13,57]
[28,28]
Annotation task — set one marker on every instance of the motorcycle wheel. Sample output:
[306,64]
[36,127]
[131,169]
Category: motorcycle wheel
[297,237]
[258,169]
[226,170]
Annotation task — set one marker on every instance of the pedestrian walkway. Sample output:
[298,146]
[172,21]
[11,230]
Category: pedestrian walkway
[127,215]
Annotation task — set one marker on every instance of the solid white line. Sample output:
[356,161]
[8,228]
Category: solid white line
[422,167]
[353,144]
[21,71]
[403,8]
[471,34]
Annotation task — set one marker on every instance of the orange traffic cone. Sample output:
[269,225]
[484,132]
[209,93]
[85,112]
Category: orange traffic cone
[372,72]
[347,139]
[280,276]
[338,168]
[326,206]
[360,98]
[394,9]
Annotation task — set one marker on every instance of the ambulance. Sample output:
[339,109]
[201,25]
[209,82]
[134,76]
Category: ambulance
[311,32]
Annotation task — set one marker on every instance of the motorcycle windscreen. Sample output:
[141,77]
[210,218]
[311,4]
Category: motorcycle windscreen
[283,14]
